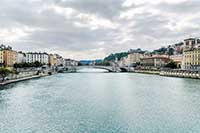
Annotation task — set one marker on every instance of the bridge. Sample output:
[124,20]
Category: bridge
[76,68]
[108,68]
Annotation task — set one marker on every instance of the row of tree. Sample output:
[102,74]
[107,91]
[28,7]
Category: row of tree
[4,72]
[28,65]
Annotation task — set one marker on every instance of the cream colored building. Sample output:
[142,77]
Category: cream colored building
[52,60]
[191,54]
[123,62]
[191,59]
[134,58]
[131,60]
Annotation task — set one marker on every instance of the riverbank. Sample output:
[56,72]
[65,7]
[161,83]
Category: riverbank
[172,73]
[181,74]
[167,73]
[23,76]
[20,79]
[147,72]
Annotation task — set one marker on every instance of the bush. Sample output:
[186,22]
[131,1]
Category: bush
[4,72]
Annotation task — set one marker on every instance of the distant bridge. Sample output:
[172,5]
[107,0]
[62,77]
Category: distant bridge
[108,68]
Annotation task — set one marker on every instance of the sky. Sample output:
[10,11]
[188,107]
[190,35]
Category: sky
[92,29]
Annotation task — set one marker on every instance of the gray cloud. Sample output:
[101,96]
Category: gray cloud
[107,8]
[185,7]
[94,28]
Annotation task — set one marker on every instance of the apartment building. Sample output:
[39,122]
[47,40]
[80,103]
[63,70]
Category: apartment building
[21,57]
[70,62]
[156,62]
[40,57]
[9,57]
[134,58]
[59,60]
[1,58]
[52,60]
[191,54]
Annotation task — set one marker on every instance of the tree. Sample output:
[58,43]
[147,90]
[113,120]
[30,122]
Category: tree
[37,64]
[160,51]
[171,65]
[4,72]
[112,57]
[103,63]
[28,65]
[170,51]
[79,64]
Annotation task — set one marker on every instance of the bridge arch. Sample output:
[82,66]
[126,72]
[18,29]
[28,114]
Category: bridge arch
[123,69]
[109,69]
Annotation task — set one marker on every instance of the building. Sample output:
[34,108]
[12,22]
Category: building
[190,43]
[21,57]
[191,59]
[9,57]
[4,47]
[123,62]
[191,54]
[70,62]
[59,60]
[1,58]
[43,58]
[154,62]
[56,60]
[178,59]
[133,58]
[178,48]
[52,60]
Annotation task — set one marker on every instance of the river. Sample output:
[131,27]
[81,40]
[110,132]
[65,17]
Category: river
[101,103]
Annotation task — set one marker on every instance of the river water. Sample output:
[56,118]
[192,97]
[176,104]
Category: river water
[101,103]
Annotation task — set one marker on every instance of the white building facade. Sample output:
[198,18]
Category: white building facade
[21,57]
[40,57]
[59,60]
[131,60]
[70,62]
[134,58]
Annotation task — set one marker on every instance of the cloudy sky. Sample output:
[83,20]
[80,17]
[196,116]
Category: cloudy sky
[89,29]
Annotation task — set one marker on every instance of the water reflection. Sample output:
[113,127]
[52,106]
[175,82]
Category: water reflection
[92,70]
[101,102]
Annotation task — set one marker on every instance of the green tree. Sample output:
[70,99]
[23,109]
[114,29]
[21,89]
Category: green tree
[4,72]
[27,65]
[171,65]
[112,57]
[37,64]
[103,63]
[161,51]
[170,51]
